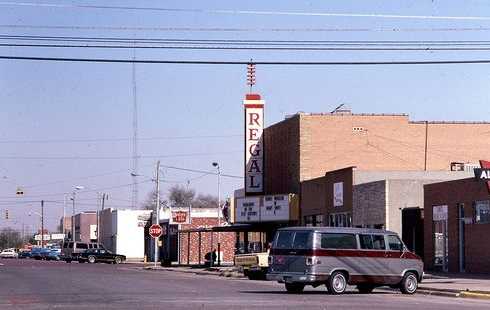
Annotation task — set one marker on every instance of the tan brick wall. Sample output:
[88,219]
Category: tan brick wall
[306,146]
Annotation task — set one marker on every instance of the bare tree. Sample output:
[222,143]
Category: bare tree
[205,201]
[180,196]
[10,238]
[151,200]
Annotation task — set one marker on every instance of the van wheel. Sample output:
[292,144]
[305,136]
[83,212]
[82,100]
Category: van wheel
[91,259]
[68,260]
[365,288]
[409,283]
[117,260]
[337,283]
[295,288]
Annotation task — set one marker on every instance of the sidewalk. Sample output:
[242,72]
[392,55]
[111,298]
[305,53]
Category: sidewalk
[225,271]
[457,285]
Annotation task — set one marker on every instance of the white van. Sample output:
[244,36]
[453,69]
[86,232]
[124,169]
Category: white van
[336,257]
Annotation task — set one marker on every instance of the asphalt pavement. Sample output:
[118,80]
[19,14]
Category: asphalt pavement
[30,284]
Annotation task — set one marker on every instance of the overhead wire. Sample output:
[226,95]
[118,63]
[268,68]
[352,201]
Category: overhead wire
[241,63]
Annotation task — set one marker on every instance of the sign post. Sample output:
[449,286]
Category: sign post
[155,232]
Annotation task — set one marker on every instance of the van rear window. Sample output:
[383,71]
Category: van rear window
[285,239]
[294,240]
[338,241]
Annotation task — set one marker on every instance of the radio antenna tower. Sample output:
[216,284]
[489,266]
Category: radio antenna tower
[251,74]
[134,141]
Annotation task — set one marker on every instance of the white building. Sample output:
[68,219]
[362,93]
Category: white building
[122,231]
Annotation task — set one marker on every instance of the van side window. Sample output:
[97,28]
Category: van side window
[395,243]
[338,241]
[82,246]
[302,240]
[379,242]
[284,239]
[366,242]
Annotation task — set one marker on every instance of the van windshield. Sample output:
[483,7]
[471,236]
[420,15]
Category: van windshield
[293,240]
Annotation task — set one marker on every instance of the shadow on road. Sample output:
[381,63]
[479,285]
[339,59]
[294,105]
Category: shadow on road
[311,293]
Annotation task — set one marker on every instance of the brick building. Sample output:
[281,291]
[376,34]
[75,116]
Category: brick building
[457,226]
[85,226]
[304,146]
[391,200]
[189,241]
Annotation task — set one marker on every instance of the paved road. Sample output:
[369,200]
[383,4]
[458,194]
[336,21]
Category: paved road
[28,284]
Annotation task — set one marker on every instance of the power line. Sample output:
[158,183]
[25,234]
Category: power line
[201,171]
[115,157]
[243,12]
[241,63]
[91,140]
[230,29]
[240,41]
[250,48]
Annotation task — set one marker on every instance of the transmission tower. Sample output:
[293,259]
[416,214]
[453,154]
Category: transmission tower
[134,140]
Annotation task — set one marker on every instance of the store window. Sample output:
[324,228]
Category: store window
[313,220]
[482,211]
[340,220]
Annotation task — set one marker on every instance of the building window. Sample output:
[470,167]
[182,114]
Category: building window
[313,220]
[482,211]
[340,220]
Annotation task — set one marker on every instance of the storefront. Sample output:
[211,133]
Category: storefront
[457,225]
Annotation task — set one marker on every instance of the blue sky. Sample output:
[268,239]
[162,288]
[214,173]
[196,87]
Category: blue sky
[70,101]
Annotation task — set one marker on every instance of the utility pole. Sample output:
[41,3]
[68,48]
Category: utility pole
[157,209]
[98,217]
[73,219]
[42,223]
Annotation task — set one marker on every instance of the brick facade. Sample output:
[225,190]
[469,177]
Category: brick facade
[227,242]
[305,146]
[453,193]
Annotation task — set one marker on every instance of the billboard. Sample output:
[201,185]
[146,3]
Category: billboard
[254,151]
[270,208]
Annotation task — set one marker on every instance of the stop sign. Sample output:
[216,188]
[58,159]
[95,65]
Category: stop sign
[155,230]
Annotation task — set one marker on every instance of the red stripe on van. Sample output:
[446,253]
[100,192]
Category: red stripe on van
[345,253]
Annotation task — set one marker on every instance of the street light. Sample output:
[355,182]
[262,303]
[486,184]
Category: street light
[216,165]
[75,189]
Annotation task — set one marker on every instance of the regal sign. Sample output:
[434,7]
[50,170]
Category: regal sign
[254,151]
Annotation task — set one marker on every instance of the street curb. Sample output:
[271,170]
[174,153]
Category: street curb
[437,293]
[226,273]
[476,295]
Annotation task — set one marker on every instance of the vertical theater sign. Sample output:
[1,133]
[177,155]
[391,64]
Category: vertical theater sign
[254,151]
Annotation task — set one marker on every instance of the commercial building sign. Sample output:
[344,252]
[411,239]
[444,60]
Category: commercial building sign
[275,208]
[254,151]
[338,194]
[263,209]
[483,173]
[439,213]
[248,209]
[180,217]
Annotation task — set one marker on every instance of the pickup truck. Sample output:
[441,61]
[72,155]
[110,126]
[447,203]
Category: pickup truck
[254,265]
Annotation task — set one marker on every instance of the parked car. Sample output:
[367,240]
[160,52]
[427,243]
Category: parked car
[9,253]
[25,254]
[52,254]
[336,257]
[100,255]
[71,250]
[39,253]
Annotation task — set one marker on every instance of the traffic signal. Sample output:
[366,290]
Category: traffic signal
[7,214]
